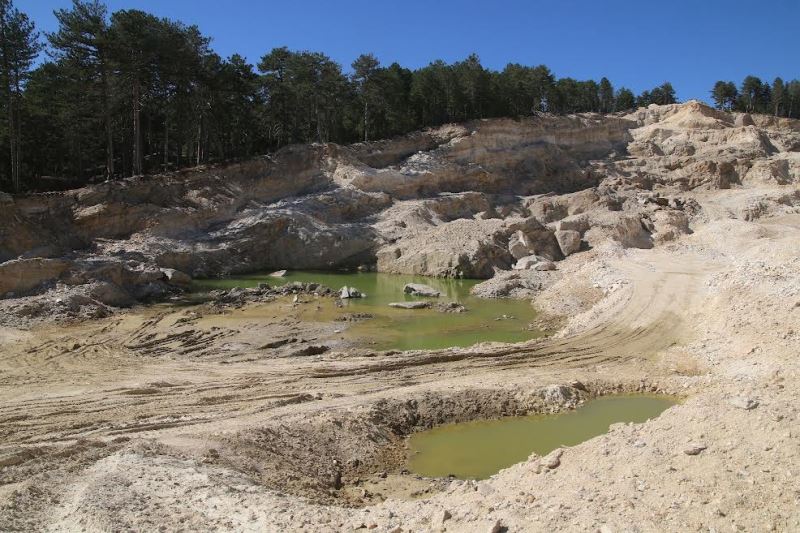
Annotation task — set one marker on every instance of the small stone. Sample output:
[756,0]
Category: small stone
[694,448]
[545,266]
[741,402]
[553,460]
[278,274]
[443,517]
[485,489]
[497,527]
[575,384]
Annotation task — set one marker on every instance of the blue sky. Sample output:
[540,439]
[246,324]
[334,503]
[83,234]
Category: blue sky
[635,44]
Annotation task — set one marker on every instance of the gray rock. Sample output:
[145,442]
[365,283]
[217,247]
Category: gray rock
[410,305]
[418,289]
[553,459]
[110,294]
[579,223]
[558,394]
[694,448]
[569,241]
[176,277]
[741,402]
[527,263]
[350,292]
[519,245]
[544,266]
[278,274]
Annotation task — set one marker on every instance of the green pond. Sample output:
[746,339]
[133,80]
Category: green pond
[503,320]
[477,450]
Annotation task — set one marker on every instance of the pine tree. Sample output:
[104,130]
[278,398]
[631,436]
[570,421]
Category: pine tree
[624,100]
[364,70]
[750,94]
[724,95]
[778,95]
[81,45]
[19,47]
[606,96]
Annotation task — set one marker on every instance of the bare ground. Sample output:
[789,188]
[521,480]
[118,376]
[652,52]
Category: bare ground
[185,420]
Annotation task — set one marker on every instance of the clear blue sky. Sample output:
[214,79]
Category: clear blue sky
[638,44]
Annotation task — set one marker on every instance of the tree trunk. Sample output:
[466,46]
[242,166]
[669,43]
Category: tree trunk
[366,119]
[7,82]
[137,129]
[166,143]
[18,135]
[107,120]
[199,139]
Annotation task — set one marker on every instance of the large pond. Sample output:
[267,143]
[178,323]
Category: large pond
[504,320]
[477,450]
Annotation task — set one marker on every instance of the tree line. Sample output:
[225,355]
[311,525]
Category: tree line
[127,93]
[780,98]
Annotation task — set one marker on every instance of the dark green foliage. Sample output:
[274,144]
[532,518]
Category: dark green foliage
[781,98]
[130,93]
[624,100]
[724,95]
[662,95]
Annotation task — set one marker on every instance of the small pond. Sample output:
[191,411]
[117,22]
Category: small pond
[503,320]
[477,450]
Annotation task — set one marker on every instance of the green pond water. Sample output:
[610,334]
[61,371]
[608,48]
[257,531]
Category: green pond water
[404,329]
[477,450]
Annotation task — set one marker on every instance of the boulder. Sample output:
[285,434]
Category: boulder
[350,292]
[540,240]
[278,274]
[519,246]
[579,223]
[569,241]
[545,266]
[418,289]
[110,294]
[176,277]
[22,275]
[743,119]
[558,394]
[527,263]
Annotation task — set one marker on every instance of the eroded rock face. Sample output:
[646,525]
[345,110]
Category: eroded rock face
[22,275]
[459,200]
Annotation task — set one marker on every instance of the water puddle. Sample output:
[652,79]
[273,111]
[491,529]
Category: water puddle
[502,320]
[477,450]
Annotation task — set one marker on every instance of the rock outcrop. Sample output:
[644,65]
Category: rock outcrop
[460,200]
